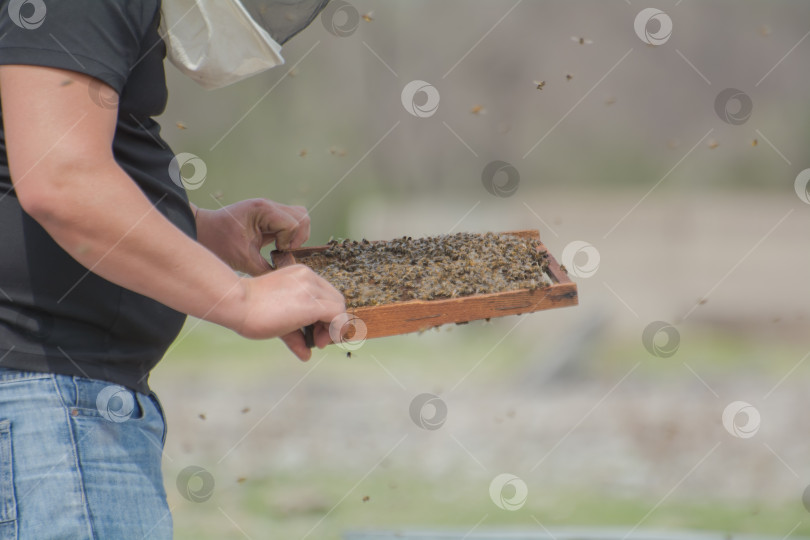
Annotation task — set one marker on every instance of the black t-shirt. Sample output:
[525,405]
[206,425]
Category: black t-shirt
[55,316]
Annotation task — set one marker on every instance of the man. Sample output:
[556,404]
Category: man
[99,262]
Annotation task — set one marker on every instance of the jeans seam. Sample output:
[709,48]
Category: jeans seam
[56,387]
[74,448]
[7,479]
[159,406]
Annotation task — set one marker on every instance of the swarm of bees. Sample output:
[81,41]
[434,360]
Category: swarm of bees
[431,268]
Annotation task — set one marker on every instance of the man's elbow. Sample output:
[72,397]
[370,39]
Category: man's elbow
[41,199]
[51,193]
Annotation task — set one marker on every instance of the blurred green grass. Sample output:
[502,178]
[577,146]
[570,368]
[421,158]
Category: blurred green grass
[324,501]
[203,346]
[293,506]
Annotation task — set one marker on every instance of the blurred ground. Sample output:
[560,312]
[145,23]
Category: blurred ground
[693,215]
[588,420]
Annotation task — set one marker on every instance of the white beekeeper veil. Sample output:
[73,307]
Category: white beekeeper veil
[220,42]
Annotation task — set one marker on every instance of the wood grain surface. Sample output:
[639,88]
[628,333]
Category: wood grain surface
[419,315]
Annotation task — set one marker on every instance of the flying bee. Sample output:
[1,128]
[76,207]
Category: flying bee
[303,152]
[181,125]
[539,84]
[581,40]
[754,142]
[713,144]
[477,109]
[610,101]
[368,16]
[568,76]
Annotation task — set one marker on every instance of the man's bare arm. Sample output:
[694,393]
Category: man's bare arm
[59,145]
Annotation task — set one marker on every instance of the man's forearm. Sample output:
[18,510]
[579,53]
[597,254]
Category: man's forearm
[101,218]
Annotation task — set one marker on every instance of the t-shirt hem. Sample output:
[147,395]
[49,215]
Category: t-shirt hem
[133,379]
[55,58]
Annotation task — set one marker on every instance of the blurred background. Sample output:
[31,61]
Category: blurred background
[673,397]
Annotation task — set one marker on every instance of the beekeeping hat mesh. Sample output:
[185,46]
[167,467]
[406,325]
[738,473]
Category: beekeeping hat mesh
[282,19]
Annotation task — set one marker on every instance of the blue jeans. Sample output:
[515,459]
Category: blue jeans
[79,459]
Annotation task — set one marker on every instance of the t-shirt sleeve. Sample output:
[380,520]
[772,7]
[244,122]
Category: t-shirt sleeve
[100,38]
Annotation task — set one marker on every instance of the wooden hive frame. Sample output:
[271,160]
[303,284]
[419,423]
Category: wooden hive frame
[418,315]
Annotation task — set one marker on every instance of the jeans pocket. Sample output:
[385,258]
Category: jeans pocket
[8,503]
[94,398]
[159,407]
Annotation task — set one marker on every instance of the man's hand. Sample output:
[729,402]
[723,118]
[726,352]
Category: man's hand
[237,232]
[306,298]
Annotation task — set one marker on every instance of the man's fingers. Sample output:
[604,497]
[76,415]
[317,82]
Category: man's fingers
[321,334]
[302,230]
[275,222]
[289,224]
[300,235]
[332,301]
[322,337]
[283,226]
[299,213]
[295,342]
[268,238]
[259,265]
[328,292]
[317,287]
